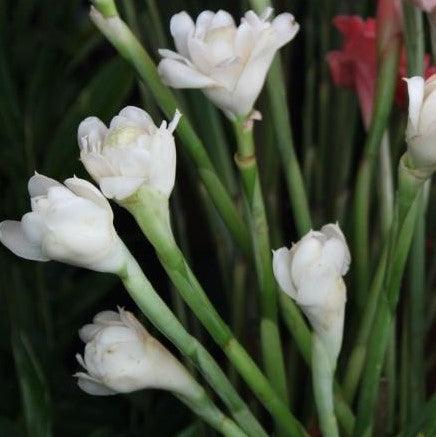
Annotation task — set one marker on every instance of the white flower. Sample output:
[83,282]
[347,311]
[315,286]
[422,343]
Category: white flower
[72,223]
[421,126]
[121,357]
[132,152]
[311,273]
[228,63]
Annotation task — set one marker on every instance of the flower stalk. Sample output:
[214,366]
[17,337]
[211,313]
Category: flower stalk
[151,213]
[389,42]
[269,333]
[164,320]
[415,47]
[410,183]
[278,105]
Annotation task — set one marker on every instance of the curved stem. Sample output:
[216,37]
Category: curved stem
[164,320]
[151,213]
[203,406]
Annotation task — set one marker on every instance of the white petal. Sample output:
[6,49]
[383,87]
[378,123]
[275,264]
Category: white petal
[428,112]
[138,116]
[91,386]
[96,165]
[175,121]
[165,53]
[39,184]
[177,75]
[120,187]
[33,227]
[244,41]
[254,20]
[333,231]
[285,28]
[85,189]
[221,19]
[12,236]
[306,253]
[282,270]
[106,316]
[199,54]
[182,28]
[202,23]
[415,87]
[91,133]
[88,332]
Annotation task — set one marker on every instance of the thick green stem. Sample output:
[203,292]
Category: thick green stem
[386,81]
[356,361]
[407,202]
[278,106]
[207,410]
[121,37]
[415,45]
[150,210]
[270,337]
[164,320]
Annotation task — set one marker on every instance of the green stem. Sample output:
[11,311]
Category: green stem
[322,375]
[409,190]
[121,37]
[202,405]
[238,309]
[415,46]
[356,361]
[277,94]
[150,210]
[386,81]
[270,337]
[425,422]
[164,320]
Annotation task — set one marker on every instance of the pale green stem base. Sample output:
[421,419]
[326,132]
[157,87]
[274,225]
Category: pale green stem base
[150,210]
[322,375]
[163,319]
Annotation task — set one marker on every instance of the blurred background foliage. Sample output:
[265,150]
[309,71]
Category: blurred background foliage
[56,69]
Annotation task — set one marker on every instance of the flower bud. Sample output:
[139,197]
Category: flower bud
[228,63]
[71,223]
[311,273]
[132,152]
[421,126]
[121,357]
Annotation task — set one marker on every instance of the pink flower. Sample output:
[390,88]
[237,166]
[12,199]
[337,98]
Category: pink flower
[355,65]
[425,5]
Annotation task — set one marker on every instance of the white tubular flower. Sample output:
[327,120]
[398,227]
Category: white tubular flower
[131,153]
[228,63]
[421,126]
[121,357]
[71,223]
[311,273]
